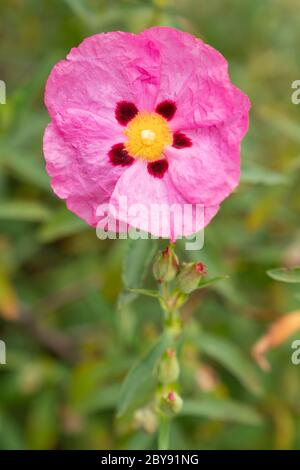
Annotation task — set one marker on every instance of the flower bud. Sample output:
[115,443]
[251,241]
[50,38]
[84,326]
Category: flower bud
[171,403]
[189,277]
[165,266]
[168,368]
[145,418]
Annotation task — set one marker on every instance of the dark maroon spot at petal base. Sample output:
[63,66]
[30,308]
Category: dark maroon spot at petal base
[118,155]
[158,168]
[125,111]
[166,109]
[181,141]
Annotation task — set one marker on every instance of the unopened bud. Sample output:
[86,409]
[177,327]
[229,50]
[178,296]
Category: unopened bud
[165,266]
[168,368]
[145,418]
[171,403]
[189,277]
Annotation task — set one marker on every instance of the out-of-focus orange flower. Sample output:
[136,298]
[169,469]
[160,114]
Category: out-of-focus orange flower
[279,331]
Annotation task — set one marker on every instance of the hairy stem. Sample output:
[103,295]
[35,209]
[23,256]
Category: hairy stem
[169,367]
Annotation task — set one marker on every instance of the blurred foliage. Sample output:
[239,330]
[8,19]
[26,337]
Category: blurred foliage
[71,332]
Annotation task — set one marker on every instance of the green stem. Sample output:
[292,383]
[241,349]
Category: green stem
[173,327]
[176,281]
[164,432]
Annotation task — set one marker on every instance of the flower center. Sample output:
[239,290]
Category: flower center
[147,135]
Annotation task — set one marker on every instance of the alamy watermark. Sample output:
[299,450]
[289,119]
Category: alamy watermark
[295,358]
[2,92]
[2,352]
[152,220]
[296,94]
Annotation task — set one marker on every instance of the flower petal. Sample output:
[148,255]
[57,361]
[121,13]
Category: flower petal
[76,150]
[103,70]
[195,76]
[149,204]
[208,171]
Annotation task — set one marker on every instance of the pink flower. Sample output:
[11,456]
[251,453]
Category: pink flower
[151,117]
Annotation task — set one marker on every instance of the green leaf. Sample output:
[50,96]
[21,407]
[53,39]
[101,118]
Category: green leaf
[291,275]
[139,253]
[212,280]
[141,372]
[147,292]
[10,433]
[24,210]
[137,259]
[63,223]
[255,174]
[79,8]
[231,357]
[106,398]
[26,168]
[297,296]
[282,123]
[87,392]
[43,422]
[223,410]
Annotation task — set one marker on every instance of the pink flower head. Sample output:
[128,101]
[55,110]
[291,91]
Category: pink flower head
[152,118]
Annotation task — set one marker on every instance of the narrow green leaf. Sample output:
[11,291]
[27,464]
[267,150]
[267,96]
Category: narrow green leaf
[297,296]
[42,425]
[106,398]
[26,168]
[87,392]
[80,9]
[137,259]
[291,275]
[140,372]
[256,174]
[11,437]
[231,357]
[139,253]
[147,292]
[212,280]
[223,410]
[63,223]
[24,210]
[282,123]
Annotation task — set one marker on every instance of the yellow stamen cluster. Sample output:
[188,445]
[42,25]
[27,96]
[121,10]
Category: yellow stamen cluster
[147,135]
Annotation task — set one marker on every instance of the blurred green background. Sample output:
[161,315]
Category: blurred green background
[71,335]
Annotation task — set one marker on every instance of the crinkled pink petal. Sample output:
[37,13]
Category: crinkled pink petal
[104,69]
[195,76]
[75,148]
[209,170]
[91,135]
[145,202]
